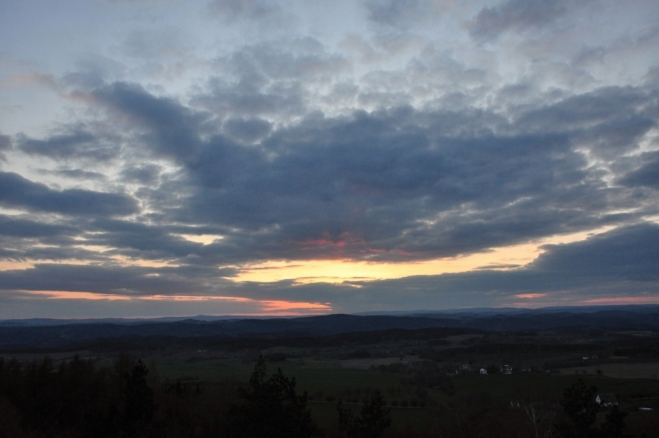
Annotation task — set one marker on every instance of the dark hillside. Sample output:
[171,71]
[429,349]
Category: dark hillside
[15,335]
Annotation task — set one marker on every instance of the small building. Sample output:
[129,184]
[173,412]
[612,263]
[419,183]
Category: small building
[483,371]
[607,400]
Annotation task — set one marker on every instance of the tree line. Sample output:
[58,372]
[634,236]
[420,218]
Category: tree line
[79,399]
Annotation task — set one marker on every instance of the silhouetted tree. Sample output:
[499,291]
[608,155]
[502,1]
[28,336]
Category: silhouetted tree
[614,426]
[270,408]
[139,406]
[372,422]
[581,408]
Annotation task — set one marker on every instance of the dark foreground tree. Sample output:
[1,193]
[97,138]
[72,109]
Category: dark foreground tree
[270,408]
[581,409]
[140,405]
[614,426]
[372,422]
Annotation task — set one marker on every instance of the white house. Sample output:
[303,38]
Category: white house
[606,400]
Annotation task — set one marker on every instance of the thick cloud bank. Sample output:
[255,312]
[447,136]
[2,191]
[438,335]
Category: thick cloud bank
[158,160]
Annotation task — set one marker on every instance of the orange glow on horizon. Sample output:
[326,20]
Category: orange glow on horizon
[11,265]
[277,305]
[262,307]
[69,295]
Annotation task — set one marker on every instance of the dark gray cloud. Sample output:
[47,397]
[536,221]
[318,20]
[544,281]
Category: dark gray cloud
[247,130]
[18,192]
[77,174]
[59,249]
[78,144]
[133,280]
[516,15]
[31,237]
[140,240]
[172,127]
[154,43]
[629,253]
[99,279]
[92,71]
[244,9]
[5,145]
[600,107]
[249,98]
[402,14]
[400,184]
[24,228]
[646,175]
[145,174]
[374,187]
[270,79]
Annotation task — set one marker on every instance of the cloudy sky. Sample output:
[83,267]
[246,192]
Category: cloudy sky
[300,157]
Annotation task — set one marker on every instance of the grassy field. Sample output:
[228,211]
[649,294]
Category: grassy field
[618,370]
[330,380]
[325,383]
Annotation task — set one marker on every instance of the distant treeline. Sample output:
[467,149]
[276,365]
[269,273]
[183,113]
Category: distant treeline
[510,349]
[282,328]
[158,343]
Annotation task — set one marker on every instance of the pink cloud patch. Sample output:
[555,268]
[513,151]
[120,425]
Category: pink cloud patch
[529,296]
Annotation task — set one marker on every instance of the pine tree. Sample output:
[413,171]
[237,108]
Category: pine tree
[140,406]
[580,406]
[372,422]
[270,408]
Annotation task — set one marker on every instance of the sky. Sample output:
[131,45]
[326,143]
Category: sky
[296,157]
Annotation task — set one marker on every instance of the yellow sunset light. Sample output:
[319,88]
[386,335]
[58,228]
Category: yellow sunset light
[340,271]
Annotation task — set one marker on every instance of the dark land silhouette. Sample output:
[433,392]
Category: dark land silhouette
[486,374]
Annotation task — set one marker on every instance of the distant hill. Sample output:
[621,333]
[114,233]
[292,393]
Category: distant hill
[45,333]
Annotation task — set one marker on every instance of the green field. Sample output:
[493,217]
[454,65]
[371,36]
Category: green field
[414,409]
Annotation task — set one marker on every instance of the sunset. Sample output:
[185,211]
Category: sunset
[249,157]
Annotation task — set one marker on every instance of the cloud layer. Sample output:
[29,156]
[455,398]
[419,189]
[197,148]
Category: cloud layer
[167,160]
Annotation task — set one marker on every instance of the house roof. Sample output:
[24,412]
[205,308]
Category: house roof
[607,398]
